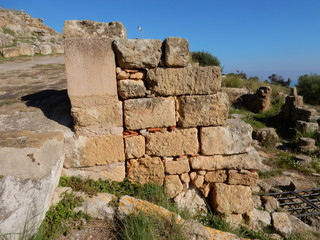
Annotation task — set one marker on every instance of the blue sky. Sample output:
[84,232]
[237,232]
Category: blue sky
[254,36]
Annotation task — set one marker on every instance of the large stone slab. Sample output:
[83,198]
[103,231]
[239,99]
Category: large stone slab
[31,164]
[135,146]
[146,169]
[231,199]
[250,160]
[90,67]
[87,29]
[203,110]
[177,142]
[137,53]
[149,113]
[182,81]
[97,110]
[176,51]
[131,88]
[233,138]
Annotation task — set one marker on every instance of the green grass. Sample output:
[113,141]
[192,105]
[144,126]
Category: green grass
[8,31]
[271,173]
[6,102]
[61,218]
[143,227]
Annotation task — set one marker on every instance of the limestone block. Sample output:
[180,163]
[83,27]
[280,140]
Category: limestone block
[90,67]
[149,112]
[231,199]
[250,160]
[185,177]
[57,48]
[266,136]
[26,49]
[281,223]
[137,53]
[179,166]
[218,176]
[45,49]
[101,150]
[31,164]
[307,126]
[146,169]
[112,171]
[87,29]
[135,146]
[270,203]
[98,206]
[123,75]
[173,185]
[257,217]
[131,88]
[138,75]
[233,138]
[198,181]
[238,178]
[10,52]
[176,52]
[204,110]
[191,200]
[182,81]
[177,142]
[106,111]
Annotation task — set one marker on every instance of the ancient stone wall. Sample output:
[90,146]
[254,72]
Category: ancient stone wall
[141,110]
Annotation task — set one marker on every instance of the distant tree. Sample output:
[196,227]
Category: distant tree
[205,58]
[241,74]
[279,80]
[309,87]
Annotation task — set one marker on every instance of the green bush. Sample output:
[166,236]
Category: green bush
[205,58]
[309,87]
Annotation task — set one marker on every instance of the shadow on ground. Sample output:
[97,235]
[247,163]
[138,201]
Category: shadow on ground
[55,105]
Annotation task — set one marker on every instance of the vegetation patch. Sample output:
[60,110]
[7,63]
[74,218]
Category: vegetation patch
[8,31]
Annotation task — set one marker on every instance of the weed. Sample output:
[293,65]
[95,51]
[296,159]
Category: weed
[271,173]
[8,31]
[151,227]
[61,218]
[6,102]
[1,176]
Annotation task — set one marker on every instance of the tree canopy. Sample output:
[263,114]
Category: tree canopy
[309,87]
[279,80]
[205,58]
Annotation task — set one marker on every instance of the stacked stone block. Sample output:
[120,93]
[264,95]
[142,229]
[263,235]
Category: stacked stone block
[175,127]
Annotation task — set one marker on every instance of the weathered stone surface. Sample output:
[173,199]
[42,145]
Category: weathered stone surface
[112,171]
[138,75]
[45,49]
[177,142]
[204,110]
[231,199]
[307,144]
[218,176]
[238,178]
[137,53]
[179,166]
[87,29]
[185,177]
[10,52]
[131,89]
[307,126]
[100,150]
[176,52]
[149,113]
[100,206]
[123,75]
[6,40]
[258,217]
[26,49]
[267,136]
[191,200]
[270,203]
[90,67]
[250,160]
[104,110]
[135,146]
[281,223]
[198,181]
[173,185]
[146,169]
[31,164]
[234,93]
[233,138]
[181,81]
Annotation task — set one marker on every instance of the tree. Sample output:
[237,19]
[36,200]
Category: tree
[309,87]
[205,58]
[279,80]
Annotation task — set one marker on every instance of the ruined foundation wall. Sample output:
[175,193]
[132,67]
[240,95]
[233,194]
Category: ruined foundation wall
[142,111]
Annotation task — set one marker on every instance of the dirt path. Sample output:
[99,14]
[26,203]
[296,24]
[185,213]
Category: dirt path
[28,63]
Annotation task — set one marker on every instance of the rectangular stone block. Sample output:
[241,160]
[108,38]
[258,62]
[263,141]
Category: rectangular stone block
[182,81]
[233,138]
[149,113]
[106,111]
[246,178]
[135,146]
[131,88]
[250,160]
[90,67]
[203,110]
[177,142]
[218,176]
[178,166]
[100,150]
[176,51]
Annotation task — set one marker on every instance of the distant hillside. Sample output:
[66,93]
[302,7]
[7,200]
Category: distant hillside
[21,34]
